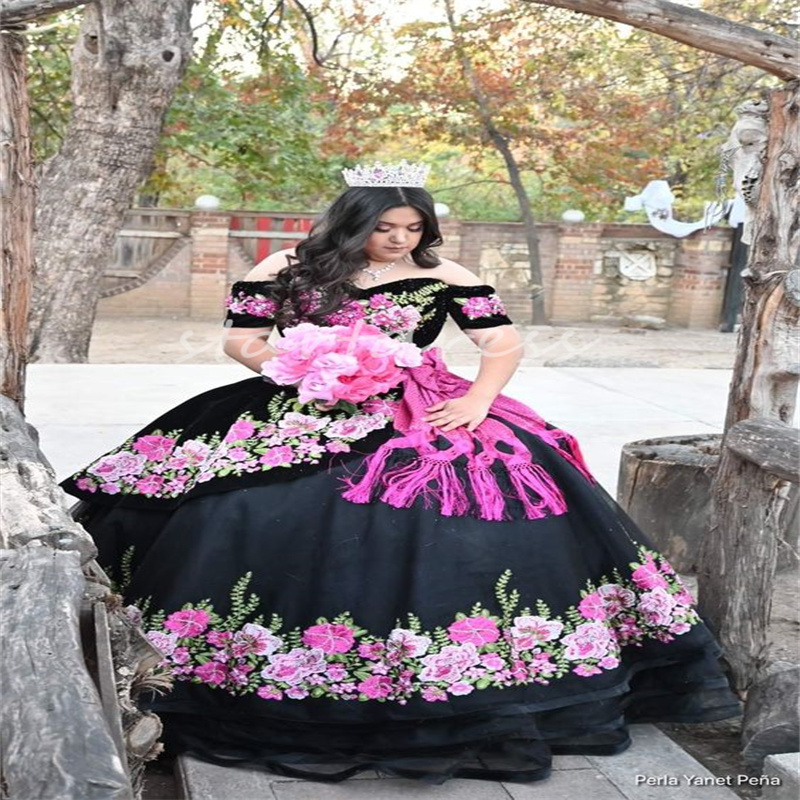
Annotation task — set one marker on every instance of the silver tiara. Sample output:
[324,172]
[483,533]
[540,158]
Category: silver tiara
[378,174]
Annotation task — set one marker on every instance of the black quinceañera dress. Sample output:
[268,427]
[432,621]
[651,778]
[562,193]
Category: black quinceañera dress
[336,591]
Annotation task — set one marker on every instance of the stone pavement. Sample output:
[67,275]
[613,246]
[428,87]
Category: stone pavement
[82,410]
[675,775]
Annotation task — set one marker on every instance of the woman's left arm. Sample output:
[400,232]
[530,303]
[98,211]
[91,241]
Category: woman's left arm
[501,351]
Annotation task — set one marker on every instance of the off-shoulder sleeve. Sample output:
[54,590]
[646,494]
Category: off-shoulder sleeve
[250,305]
[476,307]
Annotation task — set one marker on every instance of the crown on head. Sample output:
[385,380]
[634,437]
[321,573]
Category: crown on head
[378,174]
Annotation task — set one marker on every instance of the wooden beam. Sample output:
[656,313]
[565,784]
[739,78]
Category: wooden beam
[17,12]
[56,742]
[772,445]
[16,216]
[771,52]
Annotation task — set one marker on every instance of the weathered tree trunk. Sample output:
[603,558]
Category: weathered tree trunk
[502,145]
[55,739]
[16,215]
[126,65]
[740,555]
[771,52]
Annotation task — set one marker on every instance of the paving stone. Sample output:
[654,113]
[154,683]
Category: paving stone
[569,784]
[654,755]
[786,768]
[199,780]
[571,762]
[395,789]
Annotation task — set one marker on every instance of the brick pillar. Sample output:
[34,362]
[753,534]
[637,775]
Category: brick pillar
[209,271]
[578,251]
[697,287]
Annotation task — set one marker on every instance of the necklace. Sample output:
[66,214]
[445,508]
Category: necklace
[376,272]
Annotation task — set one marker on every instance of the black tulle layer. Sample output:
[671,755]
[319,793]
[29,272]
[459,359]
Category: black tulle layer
[314,555]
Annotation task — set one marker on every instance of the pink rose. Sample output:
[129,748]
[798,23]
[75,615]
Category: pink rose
[293,667]
[110,488]
[336,672]
[530,631]
[297,693]
[154,448]
[329,637]
[241,429]
[277,456]
[212,673]
[609,662]
[492,662]
[656,606]
[407,643]
[269,693]
[433,694]
[86,484]
[586,670]
[376,687]
[647,576]
[165,642]
[615,598]
[592,607]
[255,640]
[460,688]
[372,652]
[337,447]
[151,484]
[188,623]
[478,630]
[590,640]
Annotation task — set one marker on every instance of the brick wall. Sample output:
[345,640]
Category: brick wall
[581,266]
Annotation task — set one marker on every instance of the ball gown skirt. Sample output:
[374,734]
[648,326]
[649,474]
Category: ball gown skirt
[319,637]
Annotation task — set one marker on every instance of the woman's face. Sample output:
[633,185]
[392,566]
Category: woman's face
[397,232]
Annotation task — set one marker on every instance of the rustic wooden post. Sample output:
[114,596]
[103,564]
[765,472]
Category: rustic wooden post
[16,215]
[736,580]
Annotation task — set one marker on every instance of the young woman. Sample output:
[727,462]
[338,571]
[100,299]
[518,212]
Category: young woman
[428,582]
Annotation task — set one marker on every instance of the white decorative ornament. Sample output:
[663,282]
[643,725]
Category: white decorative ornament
[573,215]
[403,173]
[656,201]
[636,266]
[442,210]
[207,202]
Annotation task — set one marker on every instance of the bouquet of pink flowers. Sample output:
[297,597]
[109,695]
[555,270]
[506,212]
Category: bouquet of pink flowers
[339,363]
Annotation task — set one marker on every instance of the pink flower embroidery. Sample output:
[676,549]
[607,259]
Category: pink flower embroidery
[212,673]
[277,457]
[647,576]
[529,632]
[187,624]
[478,630]
[269,693]
[255,640]
[241,429]
[154,448]
[460,688]
[585,670]
[329,637]
[592,607]
[376,687]
[590,640]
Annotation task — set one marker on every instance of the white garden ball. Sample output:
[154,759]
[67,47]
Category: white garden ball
[207,202]
[442,210]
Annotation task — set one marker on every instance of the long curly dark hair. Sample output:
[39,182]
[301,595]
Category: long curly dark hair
[334,251]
